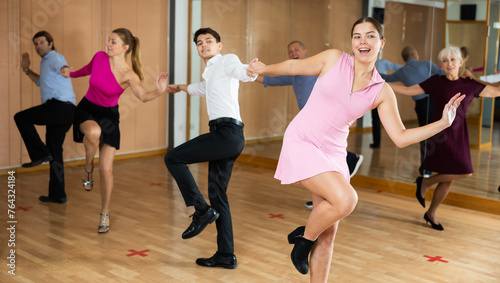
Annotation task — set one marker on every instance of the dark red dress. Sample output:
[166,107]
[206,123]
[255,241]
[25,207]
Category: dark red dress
[448,152]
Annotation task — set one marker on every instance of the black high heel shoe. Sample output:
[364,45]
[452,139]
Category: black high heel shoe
[434,225]
[299,232]
[300,254]
[418,194]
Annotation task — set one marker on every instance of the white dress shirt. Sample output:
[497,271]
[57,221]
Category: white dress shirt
[220,85]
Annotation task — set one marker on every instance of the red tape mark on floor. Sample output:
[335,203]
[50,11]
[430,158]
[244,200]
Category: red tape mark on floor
[141,253]
[435,258]
[276,216]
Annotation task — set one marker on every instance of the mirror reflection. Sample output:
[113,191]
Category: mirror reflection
[426,25]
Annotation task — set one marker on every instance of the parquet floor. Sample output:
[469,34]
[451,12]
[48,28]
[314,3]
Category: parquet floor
[384,240]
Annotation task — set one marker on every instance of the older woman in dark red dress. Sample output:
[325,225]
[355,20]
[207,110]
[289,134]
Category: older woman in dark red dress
[448,152]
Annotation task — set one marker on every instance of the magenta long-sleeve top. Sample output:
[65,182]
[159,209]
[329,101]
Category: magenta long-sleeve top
[103,90]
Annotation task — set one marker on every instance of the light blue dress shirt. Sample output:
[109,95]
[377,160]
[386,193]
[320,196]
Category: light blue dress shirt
[52,84]
[414,72]
[302,85]
[383,66]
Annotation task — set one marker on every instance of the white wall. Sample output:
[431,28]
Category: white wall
[180,68]
[453,11]
[194,125]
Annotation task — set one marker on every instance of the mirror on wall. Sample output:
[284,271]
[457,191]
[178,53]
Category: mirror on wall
[427,25]
[472,24]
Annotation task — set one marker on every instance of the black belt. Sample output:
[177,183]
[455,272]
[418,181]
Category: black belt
[225,120]
[67,102]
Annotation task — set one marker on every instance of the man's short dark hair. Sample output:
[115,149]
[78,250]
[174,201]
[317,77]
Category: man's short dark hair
[300,43]
[407,53]
[47,36]
[206,31]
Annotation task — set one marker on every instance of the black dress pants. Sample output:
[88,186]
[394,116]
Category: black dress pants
[424,110]
[220,147]
[58,117]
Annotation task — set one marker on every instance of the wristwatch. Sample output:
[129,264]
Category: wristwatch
[178,88]
[26,70]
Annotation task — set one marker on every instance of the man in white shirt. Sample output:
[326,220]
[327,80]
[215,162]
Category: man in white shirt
[220,147]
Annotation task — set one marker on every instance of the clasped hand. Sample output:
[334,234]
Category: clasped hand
[255,68]
[65,70]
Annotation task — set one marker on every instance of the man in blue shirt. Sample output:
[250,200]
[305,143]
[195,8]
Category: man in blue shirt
[56,112]
[415,72]
[302,87]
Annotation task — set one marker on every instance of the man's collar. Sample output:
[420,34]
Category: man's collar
[214,59]
[50,52]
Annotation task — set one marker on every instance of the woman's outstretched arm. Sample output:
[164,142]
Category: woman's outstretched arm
[390,118]
[312,66]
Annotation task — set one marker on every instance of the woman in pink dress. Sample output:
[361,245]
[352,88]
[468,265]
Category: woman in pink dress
[97,116]
[314,145]
[448,153]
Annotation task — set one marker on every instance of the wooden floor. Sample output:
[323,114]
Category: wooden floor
[385,239]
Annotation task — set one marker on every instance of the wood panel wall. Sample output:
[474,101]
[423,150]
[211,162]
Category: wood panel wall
[80,28]
[472,35]
[263,29]
[415,25]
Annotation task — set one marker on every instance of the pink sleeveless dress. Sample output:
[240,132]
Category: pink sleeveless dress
[316,140]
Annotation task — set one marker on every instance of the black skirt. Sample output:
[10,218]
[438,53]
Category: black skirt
[108,119]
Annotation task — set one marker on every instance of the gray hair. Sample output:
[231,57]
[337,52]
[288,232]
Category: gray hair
[300,43]
[455,51]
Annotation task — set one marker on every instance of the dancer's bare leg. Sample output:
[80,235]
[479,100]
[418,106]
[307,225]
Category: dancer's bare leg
[333,199]
[339,200]
[322,252]
[106,158]
[91,140]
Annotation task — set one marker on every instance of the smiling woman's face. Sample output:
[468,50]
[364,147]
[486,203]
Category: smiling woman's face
[366,42]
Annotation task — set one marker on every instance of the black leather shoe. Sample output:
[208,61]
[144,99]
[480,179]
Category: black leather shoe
[51,199]
[300,254]
[38,162]
[200,222]
[299,232]
[217,260]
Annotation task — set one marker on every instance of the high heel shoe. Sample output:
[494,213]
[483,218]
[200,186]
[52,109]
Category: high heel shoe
[88,184]
[299,232]
[434,225]
[418,194]
[300,254]
[103,224]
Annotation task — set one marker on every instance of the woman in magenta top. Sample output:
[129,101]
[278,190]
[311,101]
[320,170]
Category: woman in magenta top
[448,153]
[97,116]
[314,145]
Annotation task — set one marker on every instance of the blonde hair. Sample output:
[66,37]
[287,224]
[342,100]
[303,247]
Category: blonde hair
[134,46]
